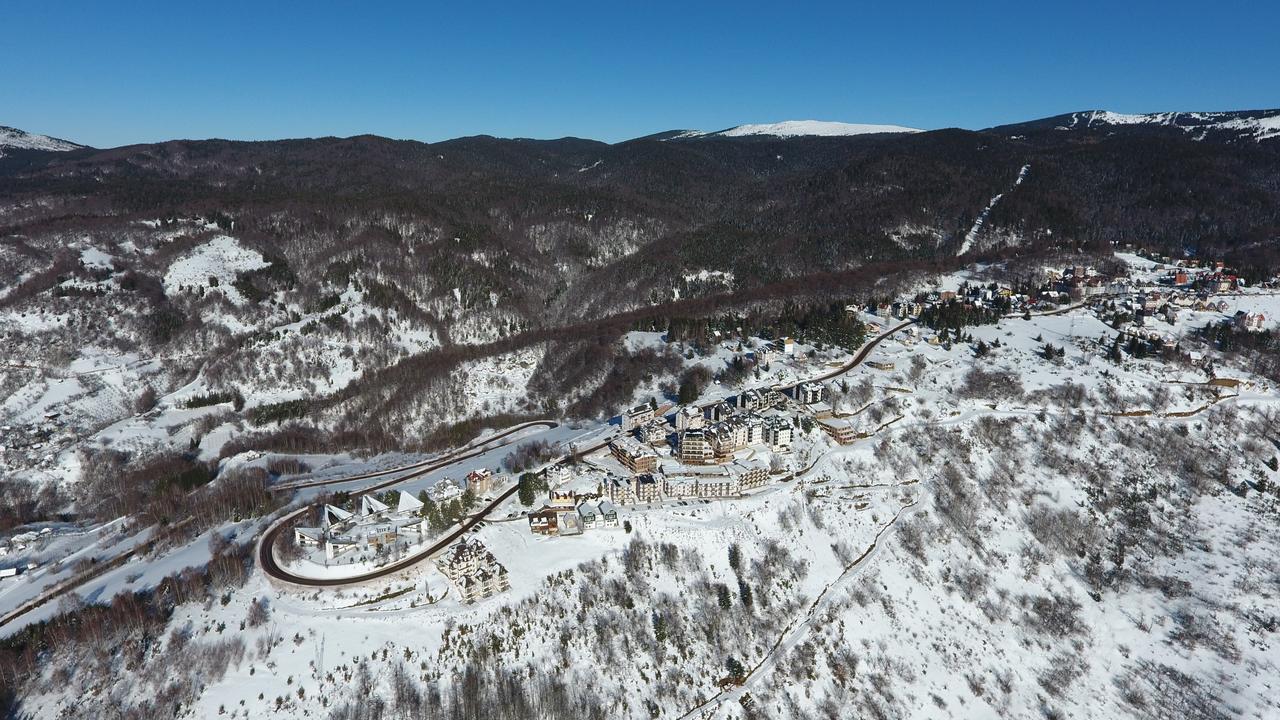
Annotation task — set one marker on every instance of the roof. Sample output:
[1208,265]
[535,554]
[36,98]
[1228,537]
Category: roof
[408,503]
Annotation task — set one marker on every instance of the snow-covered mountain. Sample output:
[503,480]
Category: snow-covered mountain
[22,140]
[1255,125]
[798,128]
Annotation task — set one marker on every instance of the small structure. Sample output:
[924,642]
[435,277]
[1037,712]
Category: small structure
[562,498]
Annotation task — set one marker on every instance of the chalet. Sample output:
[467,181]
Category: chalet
[607,514]
[589,515]
[568,522]
[634,456]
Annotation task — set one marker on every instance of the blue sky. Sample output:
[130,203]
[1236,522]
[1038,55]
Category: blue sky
[106,75]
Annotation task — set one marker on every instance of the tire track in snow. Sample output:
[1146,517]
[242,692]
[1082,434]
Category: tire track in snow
[978,224]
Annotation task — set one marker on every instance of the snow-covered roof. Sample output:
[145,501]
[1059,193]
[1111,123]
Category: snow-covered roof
[408,503]
[370,505]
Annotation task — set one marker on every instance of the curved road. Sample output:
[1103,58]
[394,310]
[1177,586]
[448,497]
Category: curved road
[267,560]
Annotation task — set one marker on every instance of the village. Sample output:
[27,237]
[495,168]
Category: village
[735,445]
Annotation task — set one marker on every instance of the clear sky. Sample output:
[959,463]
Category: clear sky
[113,73]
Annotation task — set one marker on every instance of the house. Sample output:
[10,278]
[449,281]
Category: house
[636,416]
[544,521]
[1249,322]
[473,570]
[880,365]
[788,346]
[689,417]
[762,354]
[635,457]
[696,448]
[607,514]
[480,481]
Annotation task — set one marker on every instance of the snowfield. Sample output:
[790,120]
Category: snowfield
[801,128]
[222,258]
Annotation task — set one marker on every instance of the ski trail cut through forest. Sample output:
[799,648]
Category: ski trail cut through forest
[972,235]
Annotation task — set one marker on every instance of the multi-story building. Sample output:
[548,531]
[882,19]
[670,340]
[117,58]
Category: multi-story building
[473,570]
[646,488]
[634,456]
[689,417]
[810,393]
[841,430]
[696,448]
[654,431]
[778,433]
[620,491]
[480,481]
[636,416]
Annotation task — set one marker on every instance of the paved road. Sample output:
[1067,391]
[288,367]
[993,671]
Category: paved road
[425,466]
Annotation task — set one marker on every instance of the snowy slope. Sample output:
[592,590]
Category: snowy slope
[23,140]
[1260,125]
[801,128]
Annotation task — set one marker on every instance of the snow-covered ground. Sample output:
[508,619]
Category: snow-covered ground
[1019,535]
